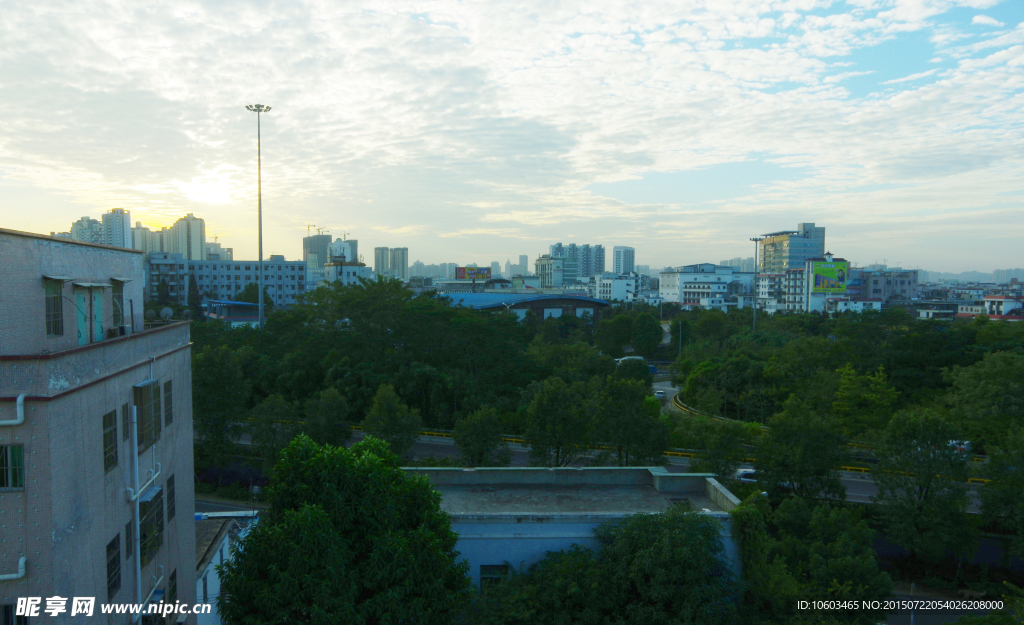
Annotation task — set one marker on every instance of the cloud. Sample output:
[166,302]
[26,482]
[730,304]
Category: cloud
[986,21]
[412,124]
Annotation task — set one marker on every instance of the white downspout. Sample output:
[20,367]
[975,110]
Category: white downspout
[10,577]
[18,420]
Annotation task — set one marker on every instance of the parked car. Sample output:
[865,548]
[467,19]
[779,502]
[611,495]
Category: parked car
[659,394]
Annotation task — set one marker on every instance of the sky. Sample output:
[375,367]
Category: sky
[478,131]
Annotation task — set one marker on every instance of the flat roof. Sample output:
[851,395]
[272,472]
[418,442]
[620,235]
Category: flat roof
[494,300]
[560,499]
[46,237]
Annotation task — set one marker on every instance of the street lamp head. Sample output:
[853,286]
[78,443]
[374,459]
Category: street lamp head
[257,108]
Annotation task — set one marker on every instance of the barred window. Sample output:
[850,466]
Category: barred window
[151,524]
[147,406]
[54,308]
[170,498]
[113,567]
[110,440]
[12,467]
[118,302]
[168,404]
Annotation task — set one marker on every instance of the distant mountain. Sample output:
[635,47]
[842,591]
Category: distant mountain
[965,276]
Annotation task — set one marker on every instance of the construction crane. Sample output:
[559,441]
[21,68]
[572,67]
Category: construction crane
[308,226]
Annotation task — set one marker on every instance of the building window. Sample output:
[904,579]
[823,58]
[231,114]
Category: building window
[147,407]
[7,616]
[151,526]
[12,467]
[170,498]
[126,422]
[168,404]
[113,567]
[172,587]
[118,302]
[110,440]
[129,539]
[491,574]
[54,308]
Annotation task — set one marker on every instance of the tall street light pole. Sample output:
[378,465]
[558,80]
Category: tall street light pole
[757,241]
[259,108]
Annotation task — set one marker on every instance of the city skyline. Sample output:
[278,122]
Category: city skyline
[663,128]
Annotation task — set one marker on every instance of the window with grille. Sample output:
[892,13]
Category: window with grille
[170,498]
[12,467]
[151,527]
[168,404]
[113,567]
[491,574]
[148,415]
[54,308]
[129,539]
[110,440]
[118,302]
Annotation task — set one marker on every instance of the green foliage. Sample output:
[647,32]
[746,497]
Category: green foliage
[635,369]
[195,300]
[722,445]
[573,362]
[862,401]
[922,498]
[251,294]
[274,423]
[806,553]
[219,396]
[558,422]
[1002,502]
[392,421]
[349,538]
[680,329]
[612,335]
[624,422]
[660,569]
[327,418]
[163,292]
[801,452]
[478,437]
[987,398]
[646,335]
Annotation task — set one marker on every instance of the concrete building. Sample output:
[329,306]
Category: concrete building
[117,228]
[890,284]
[88,230]
[187,237]
[543,305]
[781,251]
[224,280]
[76,363]
[399,263]
[556,272]
[381,260]
[314,250]
[706,285]
[745,265]
[524,265]
[339,269]
[216,251]
[614,288]
[215,536]
[496,270]
[770,292]
[508,519]
[148,240]
[623,260]
[589,258]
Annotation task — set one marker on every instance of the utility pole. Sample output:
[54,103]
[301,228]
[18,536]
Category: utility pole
[259,109]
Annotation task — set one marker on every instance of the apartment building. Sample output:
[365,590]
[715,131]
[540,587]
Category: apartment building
[612,288]
[285,279]
[623,259]
[589,258]
[96,496]
[779,252]
[555,272]
[698,285]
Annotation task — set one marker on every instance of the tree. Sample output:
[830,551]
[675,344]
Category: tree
[163,292]
[624,423]
[612,335]
[558,423]
[1001,497]
[478,437]
[862,401]
[327,417]
[392,421]
[663,568]
[987,398]
[251,294]
[647,334]
[801,452]
[349,538]
[219,395]
[680,329]
[922,492]
[195,300]
[635,369]
[275,422]
[722,448]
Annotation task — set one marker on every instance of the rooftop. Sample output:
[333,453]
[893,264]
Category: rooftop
[494,300]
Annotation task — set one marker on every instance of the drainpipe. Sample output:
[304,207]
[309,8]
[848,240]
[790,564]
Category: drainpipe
[135,500]
[10,577]
[18,420]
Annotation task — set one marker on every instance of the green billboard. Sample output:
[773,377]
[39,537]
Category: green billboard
[829,277]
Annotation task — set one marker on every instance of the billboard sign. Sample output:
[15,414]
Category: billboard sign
[829,277]
[472,273]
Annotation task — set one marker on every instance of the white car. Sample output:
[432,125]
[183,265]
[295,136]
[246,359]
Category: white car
[659,394]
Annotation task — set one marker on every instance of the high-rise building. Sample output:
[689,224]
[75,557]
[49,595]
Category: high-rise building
[745,265]
[93,503]
[353,245]
[555,272]
[399,262]
[187,237]
[88,230]
[623,260]
[216,251]
[589,258]
[781,251]
[147,240]
[314,250]
[524,265]
[495,269]
[381,260]
[117,227]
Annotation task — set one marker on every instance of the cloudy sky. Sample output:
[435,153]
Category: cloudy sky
[477,131]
